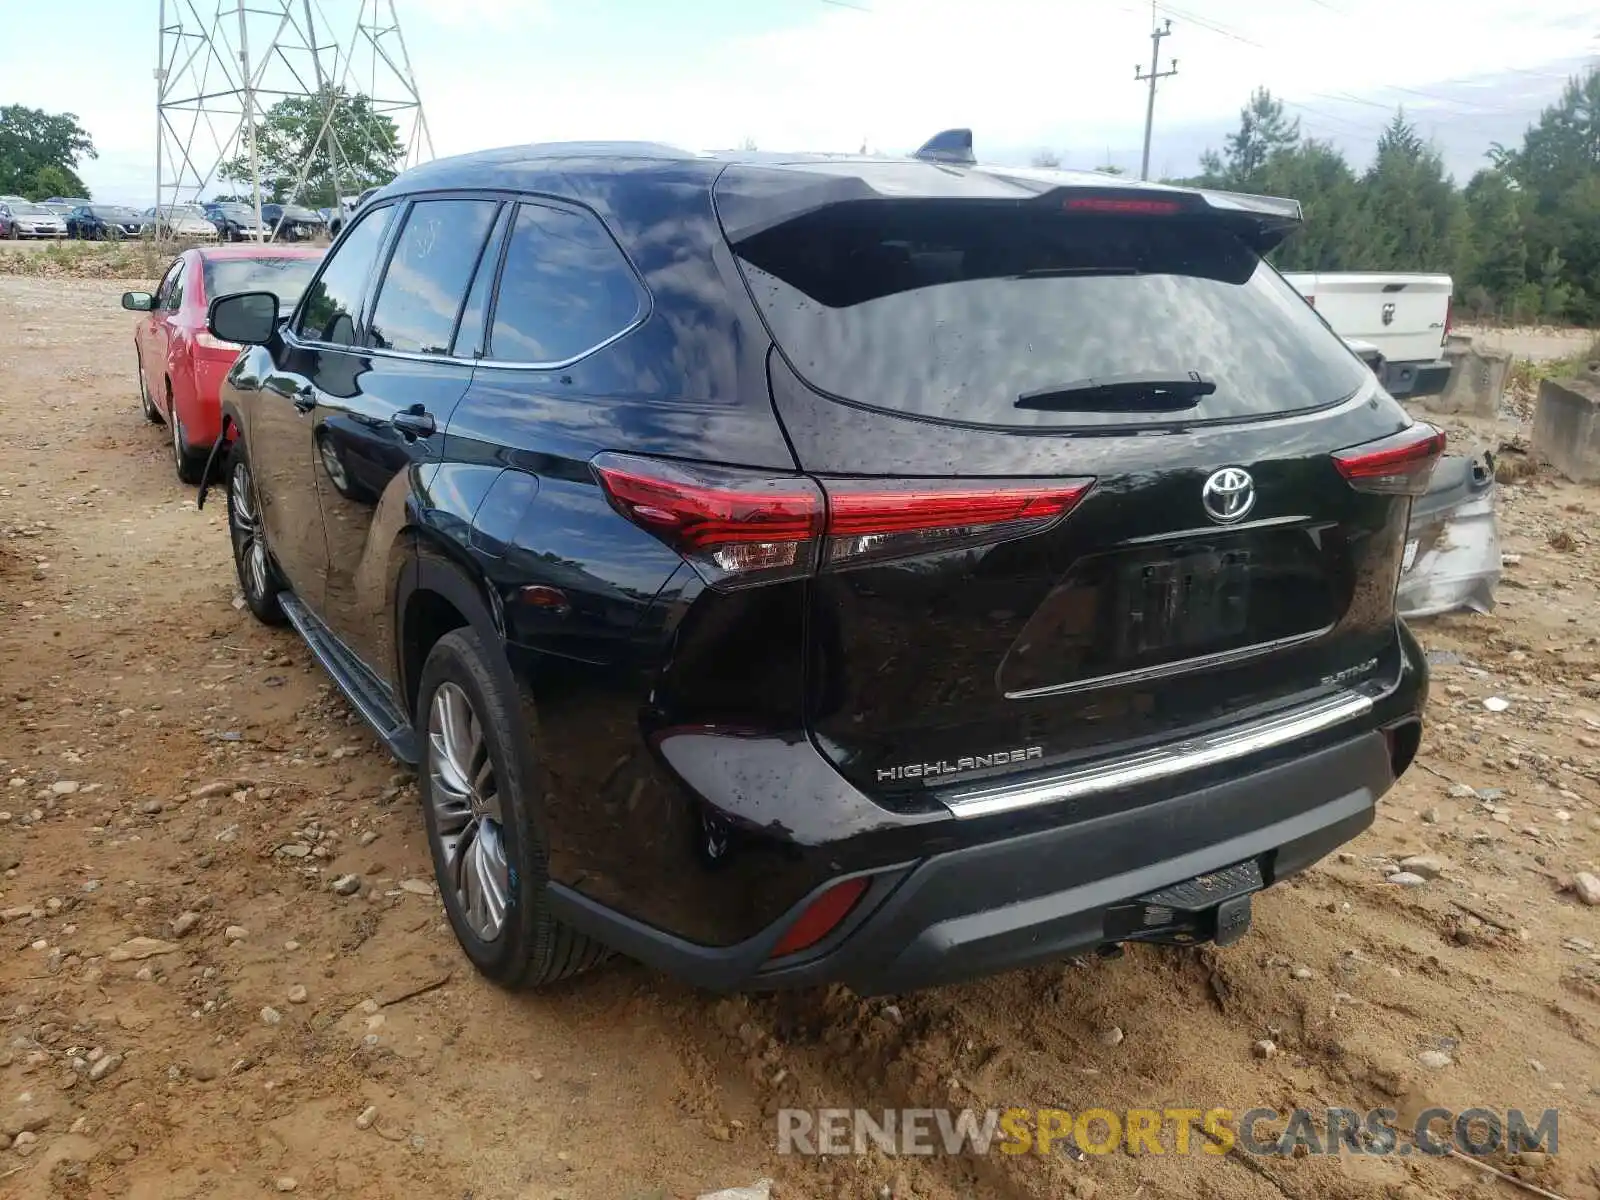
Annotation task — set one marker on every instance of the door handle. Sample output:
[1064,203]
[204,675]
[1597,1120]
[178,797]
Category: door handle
[305,398]
[415,421]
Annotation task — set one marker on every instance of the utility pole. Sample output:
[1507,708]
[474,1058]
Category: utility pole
[1156,34]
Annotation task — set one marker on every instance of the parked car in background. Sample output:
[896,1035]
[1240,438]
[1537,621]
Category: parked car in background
[180,222]
[69,201]
[336,217]
[180,364]
[236,222]
[883,571]
[1406,318]
[31,221]
[103,222]
[56,207]
[8,225]
[15,200]
[292,223]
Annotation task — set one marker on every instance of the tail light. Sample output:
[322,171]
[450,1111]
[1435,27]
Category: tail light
[741,528]
[207,341]
[737,528]
[1399,465]
[1124,205]
[870,520]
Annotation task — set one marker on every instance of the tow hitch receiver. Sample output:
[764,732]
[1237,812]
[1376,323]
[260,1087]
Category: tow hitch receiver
[1213,907]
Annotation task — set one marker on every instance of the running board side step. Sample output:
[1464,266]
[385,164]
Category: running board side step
[361,687]
[1163,762]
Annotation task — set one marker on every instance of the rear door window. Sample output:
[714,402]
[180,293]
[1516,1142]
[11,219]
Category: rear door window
[429,269]
[175,286]
[168,282]
[565,290]
[954,310]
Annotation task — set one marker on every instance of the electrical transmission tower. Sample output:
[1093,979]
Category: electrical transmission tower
[222,64]
[1156,34]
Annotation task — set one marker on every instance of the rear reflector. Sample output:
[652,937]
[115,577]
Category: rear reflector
[1130,205]
[739,528]
[1397,465]
[821,917]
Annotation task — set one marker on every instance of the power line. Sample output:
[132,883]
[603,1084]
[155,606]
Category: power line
[1156,34]
[1208,24]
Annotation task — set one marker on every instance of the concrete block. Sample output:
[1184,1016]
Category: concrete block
[1566,426]
[1477,381]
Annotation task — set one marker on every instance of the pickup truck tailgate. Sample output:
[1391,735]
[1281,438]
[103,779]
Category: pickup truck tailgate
[1403,315]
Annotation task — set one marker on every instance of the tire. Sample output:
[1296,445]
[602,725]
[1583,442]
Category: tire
[188,463]
[259,580]
[495,834]
[151,412]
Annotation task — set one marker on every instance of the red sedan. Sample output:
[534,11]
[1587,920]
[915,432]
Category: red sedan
[181,365]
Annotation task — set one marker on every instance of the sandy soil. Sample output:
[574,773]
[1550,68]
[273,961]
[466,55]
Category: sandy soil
[170,770]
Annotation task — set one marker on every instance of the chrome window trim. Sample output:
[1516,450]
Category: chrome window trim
[1162,762]
[493,363]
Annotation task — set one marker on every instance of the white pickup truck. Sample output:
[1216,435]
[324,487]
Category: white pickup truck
[1404,317]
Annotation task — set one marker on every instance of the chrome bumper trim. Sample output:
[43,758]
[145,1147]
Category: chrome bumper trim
[1159,763]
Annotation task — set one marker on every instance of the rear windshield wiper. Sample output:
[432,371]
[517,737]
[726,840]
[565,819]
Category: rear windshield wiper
[1149,392]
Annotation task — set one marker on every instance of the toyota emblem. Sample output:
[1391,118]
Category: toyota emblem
[1228,495]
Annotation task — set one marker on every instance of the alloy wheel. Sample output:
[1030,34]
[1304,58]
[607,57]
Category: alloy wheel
[468,818]
[248,546]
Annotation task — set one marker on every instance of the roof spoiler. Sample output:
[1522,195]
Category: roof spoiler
[1267,220]
[951,146]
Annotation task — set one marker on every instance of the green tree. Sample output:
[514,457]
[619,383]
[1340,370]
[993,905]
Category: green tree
[1264,130]
[40,151]
[1522,239]
[297,135]
[1336,232]
[1415,210]
[1495,264]
[1557,169]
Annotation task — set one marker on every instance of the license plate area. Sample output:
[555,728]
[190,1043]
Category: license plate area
[1196,599]
[1134,609]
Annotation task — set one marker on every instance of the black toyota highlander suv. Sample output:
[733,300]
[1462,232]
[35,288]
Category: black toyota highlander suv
[797,569]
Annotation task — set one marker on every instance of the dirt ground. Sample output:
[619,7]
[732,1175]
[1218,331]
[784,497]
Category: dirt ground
[170,770]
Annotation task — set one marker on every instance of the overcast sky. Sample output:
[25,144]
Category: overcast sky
[834,74]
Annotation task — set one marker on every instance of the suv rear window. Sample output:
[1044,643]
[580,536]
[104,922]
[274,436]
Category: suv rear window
[952,310]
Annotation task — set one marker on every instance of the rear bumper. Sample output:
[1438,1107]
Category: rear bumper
[1001,906]
[204,422]
[974,897]
[1405,380]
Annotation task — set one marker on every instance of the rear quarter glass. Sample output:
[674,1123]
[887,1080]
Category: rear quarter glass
[951,310]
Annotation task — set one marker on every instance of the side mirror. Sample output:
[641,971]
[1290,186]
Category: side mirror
[138,301]
[246,319]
